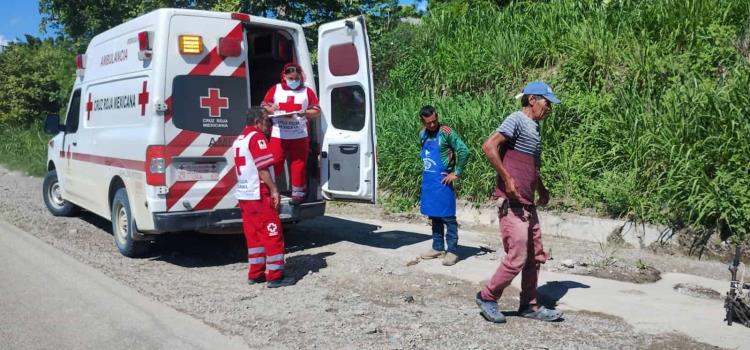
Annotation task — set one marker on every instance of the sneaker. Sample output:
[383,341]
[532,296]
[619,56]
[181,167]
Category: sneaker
[450,259]
[282,282]
[432,254]
[252,281]
[489,309]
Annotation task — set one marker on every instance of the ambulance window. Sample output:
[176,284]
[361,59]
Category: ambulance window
[348,108]
[71,120]
[210,104]
[342,59]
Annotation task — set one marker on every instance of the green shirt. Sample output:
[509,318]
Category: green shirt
[453,151]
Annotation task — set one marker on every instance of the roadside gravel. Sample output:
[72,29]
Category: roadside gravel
[348,296]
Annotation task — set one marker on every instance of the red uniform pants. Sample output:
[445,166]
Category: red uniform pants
[265,240]
[296,151]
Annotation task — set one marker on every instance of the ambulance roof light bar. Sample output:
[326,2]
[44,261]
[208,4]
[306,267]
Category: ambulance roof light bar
[144,45]
[80,65]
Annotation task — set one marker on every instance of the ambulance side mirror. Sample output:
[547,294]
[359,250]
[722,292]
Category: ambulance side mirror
[52,124]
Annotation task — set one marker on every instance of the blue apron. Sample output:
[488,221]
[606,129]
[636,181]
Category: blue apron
[438,200]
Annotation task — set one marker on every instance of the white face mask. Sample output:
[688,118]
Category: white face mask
[293,83]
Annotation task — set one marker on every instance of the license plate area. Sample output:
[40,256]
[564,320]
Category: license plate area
[198,170]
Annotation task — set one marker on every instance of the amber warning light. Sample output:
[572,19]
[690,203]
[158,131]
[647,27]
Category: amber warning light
[191,44]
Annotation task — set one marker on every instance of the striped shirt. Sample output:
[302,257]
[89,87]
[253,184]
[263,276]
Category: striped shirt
[522,134]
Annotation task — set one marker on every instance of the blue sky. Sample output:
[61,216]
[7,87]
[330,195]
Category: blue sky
[19,17]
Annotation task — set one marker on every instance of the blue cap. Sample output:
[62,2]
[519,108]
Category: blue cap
[542,89]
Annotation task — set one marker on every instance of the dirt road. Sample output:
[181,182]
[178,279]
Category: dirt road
[355,289]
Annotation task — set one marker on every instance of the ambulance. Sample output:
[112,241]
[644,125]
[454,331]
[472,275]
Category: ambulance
[158,101]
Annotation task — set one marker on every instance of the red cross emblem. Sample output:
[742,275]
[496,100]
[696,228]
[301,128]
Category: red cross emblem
[143,99]
[289,105]
[89,108]
[238,161]
[214,102]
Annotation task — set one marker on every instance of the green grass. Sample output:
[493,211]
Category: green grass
[24,149]
[654,122]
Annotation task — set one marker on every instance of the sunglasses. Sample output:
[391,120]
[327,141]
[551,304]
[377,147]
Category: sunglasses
[290,70]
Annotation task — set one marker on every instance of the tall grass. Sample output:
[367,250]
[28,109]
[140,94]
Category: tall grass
[654,122]
[24,149]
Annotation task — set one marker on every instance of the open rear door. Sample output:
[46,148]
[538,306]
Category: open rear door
[348,167]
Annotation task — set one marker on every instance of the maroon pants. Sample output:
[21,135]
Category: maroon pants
[265,240]
[522,241]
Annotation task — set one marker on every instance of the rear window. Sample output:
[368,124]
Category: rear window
[209,104]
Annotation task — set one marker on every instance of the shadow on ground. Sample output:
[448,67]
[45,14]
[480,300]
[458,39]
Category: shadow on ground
[551,292]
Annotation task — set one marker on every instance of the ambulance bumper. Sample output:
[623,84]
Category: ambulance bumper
[229,219]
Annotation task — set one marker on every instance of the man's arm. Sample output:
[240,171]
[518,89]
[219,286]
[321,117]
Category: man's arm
[491,149]
[543,192]
[461,151]
[265,175]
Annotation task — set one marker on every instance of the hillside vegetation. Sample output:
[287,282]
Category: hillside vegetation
[654,121]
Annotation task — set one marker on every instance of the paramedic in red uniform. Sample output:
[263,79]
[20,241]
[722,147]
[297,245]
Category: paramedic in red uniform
[290,136]
[259,202]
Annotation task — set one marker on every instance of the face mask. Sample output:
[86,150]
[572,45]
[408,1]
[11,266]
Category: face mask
[293,84]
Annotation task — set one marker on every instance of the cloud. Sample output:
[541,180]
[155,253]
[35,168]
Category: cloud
[14,21]
[3,40]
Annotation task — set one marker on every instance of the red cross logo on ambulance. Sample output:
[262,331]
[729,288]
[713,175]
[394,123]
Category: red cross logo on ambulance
[214,102]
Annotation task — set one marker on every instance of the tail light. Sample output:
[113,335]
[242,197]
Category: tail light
[80,65]
[156,165]
[144,46]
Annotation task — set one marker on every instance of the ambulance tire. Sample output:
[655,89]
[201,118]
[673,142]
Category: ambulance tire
[52,194]
[123,227]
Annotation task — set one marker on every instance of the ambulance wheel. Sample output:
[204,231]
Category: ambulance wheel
[123,227]
[52,193]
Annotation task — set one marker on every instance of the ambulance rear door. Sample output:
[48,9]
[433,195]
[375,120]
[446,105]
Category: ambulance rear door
[207,101]
[348,166]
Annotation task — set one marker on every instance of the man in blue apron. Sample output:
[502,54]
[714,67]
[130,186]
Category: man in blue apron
[444,156]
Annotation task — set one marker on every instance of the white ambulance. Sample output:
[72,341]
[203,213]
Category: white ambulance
[158,101]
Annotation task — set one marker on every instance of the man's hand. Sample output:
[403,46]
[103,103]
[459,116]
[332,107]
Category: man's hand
[449,178]
[510,188]
[276,199]
[543,197]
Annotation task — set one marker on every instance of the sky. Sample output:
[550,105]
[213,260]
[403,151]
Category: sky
[20,17]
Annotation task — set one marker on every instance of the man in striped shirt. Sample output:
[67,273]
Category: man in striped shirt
[514,150]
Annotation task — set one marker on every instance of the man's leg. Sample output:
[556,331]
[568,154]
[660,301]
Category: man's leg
[451,234]
[513,228]
[438,235]
[273,239]
[536,257]
[298,150]
[256,254]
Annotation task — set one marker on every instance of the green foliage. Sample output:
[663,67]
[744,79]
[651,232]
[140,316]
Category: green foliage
[653,124]
[36,77]
[24,149]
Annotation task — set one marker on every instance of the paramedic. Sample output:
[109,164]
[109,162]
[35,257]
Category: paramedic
[294,103]
[259,202]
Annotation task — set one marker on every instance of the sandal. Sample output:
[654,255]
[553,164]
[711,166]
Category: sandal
[541,314]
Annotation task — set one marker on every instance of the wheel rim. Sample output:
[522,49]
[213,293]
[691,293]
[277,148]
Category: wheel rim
[55,195]
[121,223]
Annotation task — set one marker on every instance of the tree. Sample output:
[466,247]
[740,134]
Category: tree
[81,20]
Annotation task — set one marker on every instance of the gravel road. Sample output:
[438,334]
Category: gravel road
[348,295]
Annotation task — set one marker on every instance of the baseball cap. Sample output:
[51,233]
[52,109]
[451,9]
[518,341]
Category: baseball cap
[539,88]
